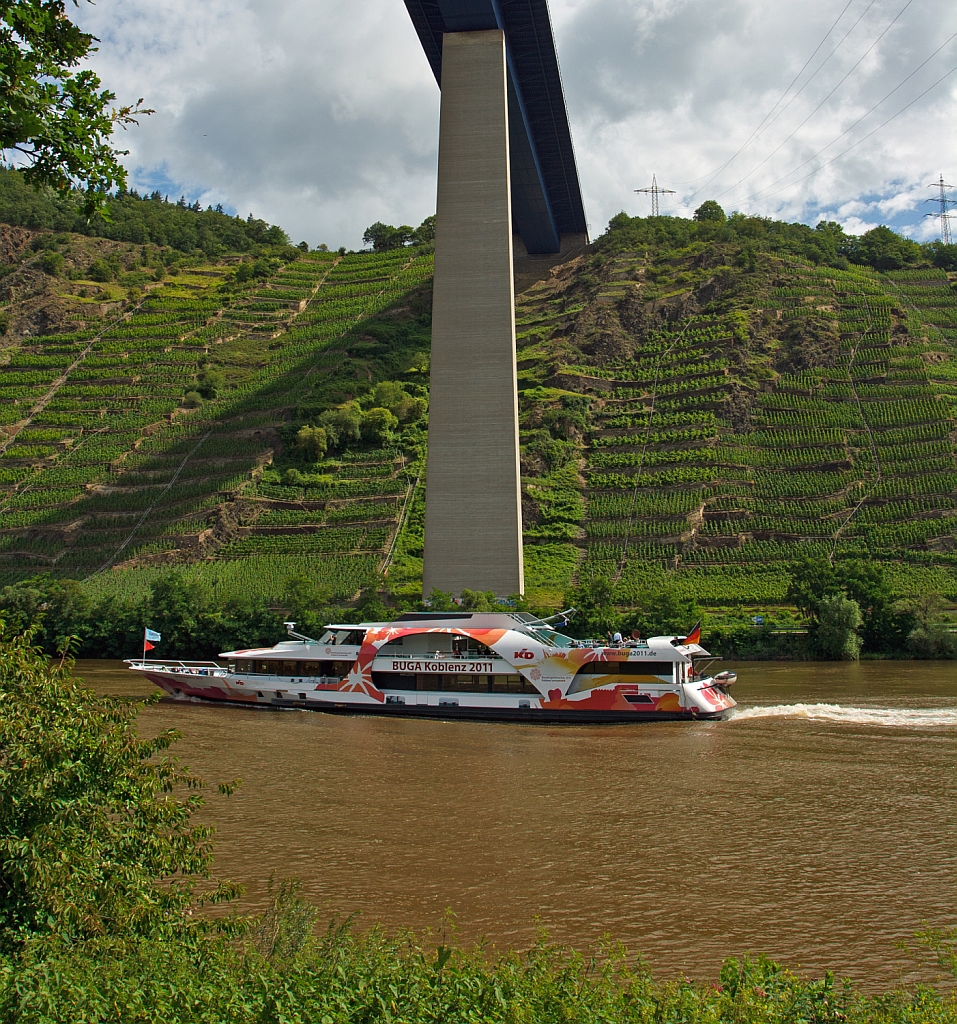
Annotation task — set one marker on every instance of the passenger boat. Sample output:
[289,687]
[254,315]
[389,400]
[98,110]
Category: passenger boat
[461,665]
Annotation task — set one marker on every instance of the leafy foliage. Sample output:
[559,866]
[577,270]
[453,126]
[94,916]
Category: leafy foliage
[710,210]
[94,838]
[385,237]
[135,218]
[59,119]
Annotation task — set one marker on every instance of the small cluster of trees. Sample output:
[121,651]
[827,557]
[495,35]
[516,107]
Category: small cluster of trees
[851,609]
[372,420]
[827,242]
[383,237]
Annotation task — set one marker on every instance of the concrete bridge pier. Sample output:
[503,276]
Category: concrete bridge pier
[473,519]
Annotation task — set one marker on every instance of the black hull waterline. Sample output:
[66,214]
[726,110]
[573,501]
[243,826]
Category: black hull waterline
[450,713]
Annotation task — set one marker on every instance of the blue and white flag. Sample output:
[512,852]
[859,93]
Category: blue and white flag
[153,636]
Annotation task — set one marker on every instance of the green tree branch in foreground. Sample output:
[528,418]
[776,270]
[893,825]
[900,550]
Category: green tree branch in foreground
[58,119]
[96,824]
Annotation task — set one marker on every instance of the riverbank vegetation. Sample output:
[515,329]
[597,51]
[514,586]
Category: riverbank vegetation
[106,912]
[841,612]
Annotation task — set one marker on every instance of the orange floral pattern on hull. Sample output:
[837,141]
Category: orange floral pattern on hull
[614,700]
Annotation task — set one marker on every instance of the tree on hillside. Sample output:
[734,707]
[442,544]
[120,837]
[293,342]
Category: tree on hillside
[425,232]
[384,237]
[883,249]
[57,119]
[710,210]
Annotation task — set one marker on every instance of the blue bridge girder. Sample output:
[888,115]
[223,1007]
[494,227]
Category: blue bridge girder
[546,194]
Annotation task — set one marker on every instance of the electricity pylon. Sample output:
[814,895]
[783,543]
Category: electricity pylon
[654,192]
[944,202]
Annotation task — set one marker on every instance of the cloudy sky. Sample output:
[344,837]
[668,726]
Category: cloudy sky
[322,115]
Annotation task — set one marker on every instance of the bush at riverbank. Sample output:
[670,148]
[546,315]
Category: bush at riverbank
[104,880]
[342,976]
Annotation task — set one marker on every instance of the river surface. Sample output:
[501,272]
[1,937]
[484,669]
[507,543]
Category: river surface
[818,824]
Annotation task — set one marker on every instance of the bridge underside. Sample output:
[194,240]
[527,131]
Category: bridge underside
[547,209]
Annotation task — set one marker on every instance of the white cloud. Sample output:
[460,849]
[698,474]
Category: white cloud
[322,115]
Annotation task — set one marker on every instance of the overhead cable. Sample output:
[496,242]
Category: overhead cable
[867,136]
[856,123]
[818,107]
[753,135]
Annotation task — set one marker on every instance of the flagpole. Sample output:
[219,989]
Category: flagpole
[144,644]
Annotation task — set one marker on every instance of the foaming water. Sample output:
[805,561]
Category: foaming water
[899,718]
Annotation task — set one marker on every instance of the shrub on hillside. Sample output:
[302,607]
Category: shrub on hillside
[377,426]
[341,426]
[313,442]
[100,270]
[406,408]
[52,263]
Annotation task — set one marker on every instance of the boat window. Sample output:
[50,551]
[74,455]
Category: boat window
[393,681]
[302,696]
[604,673]
[327,637]
[639,698]
[512,684]
[265,668]
[349,637]
[289,668]
[310,668]
[556,639]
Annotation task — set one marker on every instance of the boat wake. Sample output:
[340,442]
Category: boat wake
[907,718]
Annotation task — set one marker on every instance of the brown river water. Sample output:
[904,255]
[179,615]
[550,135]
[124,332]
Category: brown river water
[818,824]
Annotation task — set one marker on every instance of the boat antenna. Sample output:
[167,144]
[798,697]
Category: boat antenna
[562,617]
[291,630]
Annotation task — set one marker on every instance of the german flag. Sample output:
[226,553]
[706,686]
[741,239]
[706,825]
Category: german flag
[694,637]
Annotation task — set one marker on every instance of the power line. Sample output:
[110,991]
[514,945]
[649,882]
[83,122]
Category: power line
[712,175]
[654,191]
[944,204]
[821,104]
[863,117]
[866,137]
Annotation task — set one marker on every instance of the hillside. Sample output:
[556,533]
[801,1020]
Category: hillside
[701,406]
[732,410]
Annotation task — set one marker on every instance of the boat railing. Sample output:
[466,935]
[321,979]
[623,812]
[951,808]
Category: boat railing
[171,666]
[453,656]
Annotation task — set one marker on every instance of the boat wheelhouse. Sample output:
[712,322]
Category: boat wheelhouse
[460,665]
